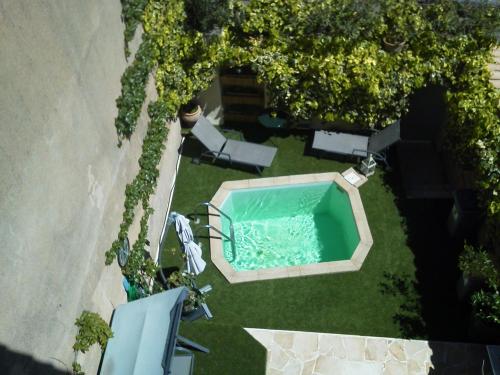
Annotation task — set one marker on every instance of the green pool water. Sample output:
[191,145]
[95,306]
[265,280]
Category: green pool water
[289,225]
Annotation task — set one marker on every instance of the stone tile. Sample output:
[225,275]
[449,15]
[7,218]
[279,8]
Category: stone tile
[328,176]
[263,336]
[293,367]
[415,367]
[421,356]
[316,269]
[361,251]
[281,180]
[330,366]
[308,367]
[414,346]
[355,347]
[260,182]
[233,185]
[294,271]
[302,178]
[244,276]
[396,348]
[339,266]
[283,339]
[344,184]
[272,273]
[272,371]
[332,345]
[362,178]
[225,268]
[279,358]
[218,198]
[324,364]
[305,345]
[394,367]
[376,349]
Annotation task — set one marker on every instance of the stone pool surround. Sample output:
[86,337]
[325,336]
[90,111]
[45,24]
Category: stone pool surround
[353,264]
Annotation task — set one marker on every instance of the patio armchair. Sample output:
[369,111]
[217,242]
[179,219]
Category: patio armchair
[220,148]
[358,145]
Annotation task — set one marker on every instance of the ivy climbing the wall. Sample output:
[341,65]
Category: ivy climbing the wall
[132,11]
[92,329]
[184,61]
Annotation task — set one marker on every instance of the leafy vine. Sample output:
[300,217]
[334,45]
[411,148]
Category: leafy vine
[92,329]
[132,11]
[133,94]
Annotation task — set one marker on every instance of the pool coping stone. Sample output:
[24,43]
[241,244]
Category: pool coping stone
[233,276]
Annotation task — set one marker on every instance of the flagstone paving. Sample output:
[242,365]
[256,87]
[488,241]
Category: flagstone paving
[309,353]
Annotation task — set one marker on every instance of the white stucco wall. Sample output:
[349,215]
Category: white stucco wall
[62,177]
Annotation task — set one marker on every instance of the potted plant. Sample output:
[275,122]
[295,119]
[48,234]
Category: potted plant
[190,113]
[481,280]
[192,304]
[485,320]
[477,270]
[400,19]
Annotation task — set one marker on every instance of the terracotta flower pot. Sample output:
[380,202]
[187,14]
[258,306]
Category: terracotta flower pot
[393,46]
[188,119]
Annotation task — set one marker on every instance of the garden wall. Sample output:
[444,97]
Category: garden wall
[62,177]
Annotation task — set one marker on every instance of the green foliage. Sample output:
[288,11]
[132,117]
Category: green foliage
[474,126]
[173,50]
[207,16]
[324,59]
[92,329]
[77,368]
[140,268]
[487,305]
[178,279]
[352,20]
[186,61]
[485,302]
[132,11]
[478,263]
[140,189]
[403,20]
[133,93]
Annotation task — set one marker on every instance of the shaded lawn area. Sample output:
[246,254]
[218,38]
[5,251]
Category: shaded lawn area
[379,300]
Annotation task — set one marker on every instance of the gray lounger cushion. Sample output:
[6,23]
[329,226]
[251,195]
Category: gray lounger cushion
[250,153]
[340,143]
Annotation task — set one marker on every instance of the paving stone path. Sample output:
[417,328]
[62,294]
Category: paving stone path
[309,353]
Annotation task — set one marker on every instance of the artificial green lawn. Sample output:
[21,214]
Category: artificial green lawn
[366,302]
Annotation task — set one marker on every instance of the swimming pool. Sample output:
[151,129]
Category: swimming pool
[289,226]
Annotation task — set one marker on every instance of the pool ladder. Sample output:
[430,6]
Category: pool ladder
[230,238]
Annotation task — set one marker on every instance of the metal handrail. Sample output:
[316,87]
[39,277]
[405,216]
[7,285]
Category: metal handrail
[208,204]
[231,228]
[208,226]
